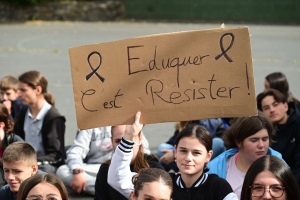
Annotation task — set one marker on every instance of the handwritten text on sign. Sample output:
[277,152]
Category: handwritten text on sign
[168,77]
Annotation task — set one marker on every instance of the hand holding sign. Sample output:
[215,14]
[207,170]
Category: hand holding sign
[132,131]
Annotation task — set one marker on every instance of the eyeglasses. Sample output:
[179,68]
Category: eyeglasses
[259,190]
[38,197]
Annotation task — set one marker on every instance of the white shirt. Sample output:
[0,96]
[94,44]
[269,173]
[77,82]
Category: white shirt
[234,176]
[33,127]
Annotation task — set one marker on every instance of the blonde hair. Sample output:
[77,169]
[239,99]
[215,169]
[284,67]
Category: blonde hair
[9,82]
[19,151]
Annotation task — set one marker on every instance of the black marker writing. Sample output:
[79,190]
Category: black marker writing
[112,104]
[129,59]
[155,88]
[88,92]
[224,52]
[247,78]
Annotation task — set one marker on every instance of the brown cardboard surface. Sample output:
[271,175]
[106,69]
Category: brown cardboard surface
[168,77]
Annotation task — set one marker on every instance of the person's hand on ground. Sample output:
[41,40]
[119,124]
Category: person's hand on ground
[78,183]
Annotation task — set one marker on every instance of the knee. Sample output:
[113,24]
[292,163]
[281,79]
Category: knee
[63,171]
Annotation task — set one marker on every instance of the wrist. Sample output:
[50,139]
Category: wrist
[77,171]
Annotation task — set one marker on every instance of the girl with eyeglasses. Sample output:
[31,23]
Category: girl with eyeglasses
[43,187]
[269,178]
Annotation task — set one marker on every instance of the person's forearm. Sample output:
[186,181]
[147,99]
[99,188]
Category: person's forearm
[119,174]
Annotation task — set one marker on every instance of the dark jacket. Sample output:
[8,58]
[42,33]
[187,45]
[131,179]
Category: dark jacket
[287,140]
[103,191]
[53,136]
[16,107]
[207,187]
[6,193]
[10,138]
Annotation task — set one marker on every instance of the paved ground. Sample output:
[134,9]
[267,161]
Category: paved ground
[44,46]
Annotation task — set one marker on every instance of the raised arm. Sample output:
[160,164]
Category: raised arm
[119,174]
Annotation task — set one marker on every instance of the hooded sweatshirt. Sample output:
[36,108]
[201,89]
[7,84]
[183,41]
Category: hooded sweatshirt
[287,140]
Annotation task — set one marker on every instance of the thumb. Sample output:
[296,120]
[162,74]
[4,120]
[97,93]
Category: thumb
[165,150]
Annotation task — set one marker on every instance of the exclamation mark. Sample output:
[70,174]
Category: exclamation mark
[247,78]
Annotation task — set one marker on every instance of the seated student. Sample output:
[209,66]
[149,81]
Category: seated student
[43,186]
[215,127]
[152,183]
[140,160]
[278,81]
[19,163]
[192,151]
[40,124]
[6,127]
[91,148]
[269,178]
[9,95]
[248,138]
[286,119]
[6,136]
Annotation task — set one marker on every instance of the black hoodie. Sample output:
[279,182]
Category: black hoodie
[287,140]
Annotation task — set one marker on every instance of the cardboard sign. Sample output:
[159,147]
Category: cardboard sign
[168,77]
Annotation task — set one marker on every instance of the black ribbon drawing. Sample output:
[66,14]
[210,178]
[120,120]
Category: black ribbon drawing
[224,52]
[94,71]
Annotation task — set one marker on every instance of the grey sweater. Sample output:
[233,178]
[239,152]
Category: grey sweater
[91,146]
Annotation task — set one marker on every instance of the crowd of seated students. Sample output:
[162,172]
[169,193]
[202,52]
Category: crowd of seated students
[253,158]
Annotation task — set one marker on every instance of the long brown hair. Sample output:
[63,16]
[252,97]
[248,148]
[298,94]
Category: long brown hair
[4,117]
[140,162]
[34,79]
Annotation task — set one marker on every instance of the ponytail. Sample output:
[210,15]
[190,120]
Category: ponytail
[49,98]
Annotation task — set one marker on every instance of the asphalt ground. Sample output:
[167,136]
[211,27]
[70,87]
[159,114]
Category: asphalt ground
[43,46]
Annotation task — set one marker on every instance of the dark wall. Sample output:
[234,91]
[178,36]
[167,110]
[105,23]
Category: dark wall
[263,11]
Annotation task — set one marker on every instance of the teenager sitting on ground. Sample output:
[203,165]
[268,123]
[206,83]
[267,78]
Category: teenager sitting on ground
[192,152]
[278,81]
[6,137]
[91,148]
[248,138]
[286,119]
[270,178]
[139,161]
[214,126]
[19,163]
[40,124]
[9,96]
